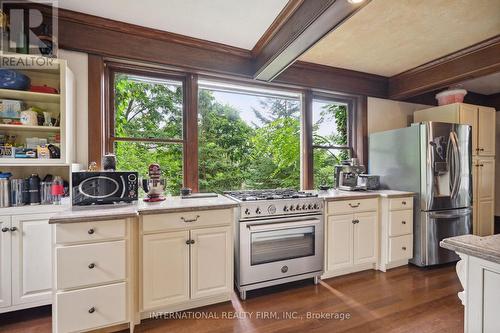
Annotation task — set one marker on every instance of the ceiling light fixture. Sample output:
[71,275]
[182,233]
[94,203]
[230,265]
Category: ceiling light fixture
[355,2]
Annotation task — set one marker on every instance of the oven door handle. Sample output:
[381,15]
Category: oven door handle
[282,225]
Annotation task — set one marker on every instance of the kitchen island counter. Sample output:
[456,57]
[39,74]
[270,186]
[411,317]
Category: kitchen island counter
[487,248]
[170,205]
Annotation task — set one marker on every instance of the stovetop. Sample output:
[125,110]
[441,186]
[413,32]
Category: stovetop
[258,195]
[275,203]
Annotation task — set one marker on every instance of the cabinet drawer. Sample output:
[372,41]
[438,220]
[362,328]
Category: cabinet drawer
[83,265]
[400,222]
[91,308]
[401,203]
[89,231]
[352,206]
[400,247]
[194,219]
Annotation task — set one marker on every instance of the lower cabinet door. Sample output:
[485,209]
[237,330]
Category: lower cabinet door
[211,262]
[31,258]
[485,218]
[5,270]
[165,259]
[91,308]
[339,242]
[365,238]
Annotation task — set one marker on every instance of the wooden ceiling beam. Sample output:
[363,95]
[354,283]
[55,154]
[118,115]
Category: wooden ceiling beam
[309,22]
[475,61]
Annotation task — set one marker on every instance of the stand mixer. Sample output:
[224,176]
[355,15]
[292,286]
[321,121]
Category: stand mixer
[154,186]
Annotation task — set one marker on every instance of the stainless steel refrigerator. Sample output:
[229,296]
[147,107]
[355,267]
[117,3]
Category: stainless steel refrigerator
[433,160]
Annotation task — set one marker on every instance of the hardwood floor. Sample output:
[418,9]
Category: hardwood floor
[406,299]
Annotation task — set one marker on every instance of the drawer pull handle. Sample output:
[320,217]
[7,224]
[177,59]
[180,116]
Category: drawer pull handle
[404,248]
[403,222]
[92,310]
[355,221]
[91,231]
[190,220]
[5,229]
[354,206]
[91,266]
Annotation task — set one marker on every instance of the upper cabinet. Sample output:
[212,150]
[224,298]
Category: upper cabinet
[480,118]
[37,123]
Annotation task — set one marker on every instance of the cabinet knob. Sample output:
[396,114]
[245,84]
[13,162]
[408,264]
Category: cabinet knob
[13,229]
[92,310]
[5,229]
[355,221]
[481,149]
[91,231]
[403,222]
[192,241]
[91,266]
[403,202]
[481,165]
[404,248]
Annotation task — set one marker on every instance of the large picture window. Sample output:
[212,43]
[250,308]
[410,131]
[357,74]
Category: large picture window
[249,138]
[147,125]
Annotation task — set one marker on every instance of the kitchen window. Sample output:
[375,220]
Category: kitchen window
[249,137]
[147,124]
[331,139]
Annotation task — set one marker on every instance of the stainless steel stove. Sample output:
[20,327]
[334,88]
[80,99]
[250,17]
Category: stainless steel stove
[279,238]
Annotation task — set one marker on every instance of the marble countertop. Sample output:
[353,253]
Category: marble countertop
[487,248]
[332,195]
[170,205]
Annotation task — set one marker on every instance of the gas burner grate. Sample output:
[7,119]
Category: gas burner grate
[256,195]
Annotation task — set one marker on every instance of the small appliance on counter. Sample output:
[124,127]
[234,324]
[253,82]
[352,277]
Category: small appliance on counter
[154,186]
[346,175]
[106,187]
[371,182]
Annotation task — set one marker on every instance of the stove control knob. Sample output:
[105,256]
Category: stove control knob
[304,207]
[285,208]
[247,211]
[316,206]
[292,208]
[258,211]
[271,209]
[310,206]
[298,207]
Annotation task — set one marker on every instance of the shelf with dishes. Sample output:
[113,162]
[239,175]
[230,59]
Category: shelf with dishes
[29,96]
[27,128]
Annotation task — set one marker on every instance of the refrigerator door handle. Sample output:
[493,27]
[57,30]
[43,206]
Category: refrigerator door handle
[457,170]
[450,216]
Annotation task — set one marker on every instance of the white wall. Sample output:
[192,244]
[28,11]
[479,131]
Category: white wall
[385,114]
[78,63]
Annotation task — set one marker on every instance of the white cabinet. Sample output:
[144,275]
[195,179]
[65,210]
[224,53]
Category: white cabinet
[396,232]
[211,262]
[352,238]
[486,131]
[165,264]
[31,258]
[483,195]
[5,262]
[25,261]
[186,264]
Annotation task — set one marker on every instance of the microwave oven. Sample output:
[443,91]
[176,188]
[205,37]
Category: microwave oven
[106,187]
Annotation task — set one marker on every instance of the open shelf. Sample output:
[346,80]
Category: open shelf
[32,161]
[25,128]
[29,96]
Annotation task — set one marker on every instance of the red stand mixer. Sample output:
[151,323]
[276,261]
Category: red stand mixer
[154,186]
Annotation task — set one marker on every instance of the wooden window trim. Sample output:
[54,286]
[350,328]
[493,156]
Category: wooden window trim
[100,127]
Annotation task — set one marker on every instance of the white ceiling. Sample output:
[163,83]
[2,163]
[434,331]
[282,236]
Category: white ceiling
[388,37]
[237,23]
[486,85]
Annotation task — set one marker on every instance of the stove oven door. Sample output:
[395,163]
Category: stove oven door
[276,248]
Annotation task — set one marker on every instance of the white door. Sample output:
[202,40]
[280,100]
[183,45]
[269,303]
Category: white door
[339,241]
[31,258]
[165,260]
[485,196]
[5,264]
[211,262]
[365,237]
[468,116]
[486,133]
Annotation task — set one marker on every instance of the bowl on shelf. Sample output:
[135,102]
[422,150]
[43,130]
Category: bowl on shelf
[11,79]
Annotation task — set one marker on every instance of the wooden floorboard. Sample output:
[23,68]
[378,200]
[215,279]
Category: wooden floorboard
[406,299]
